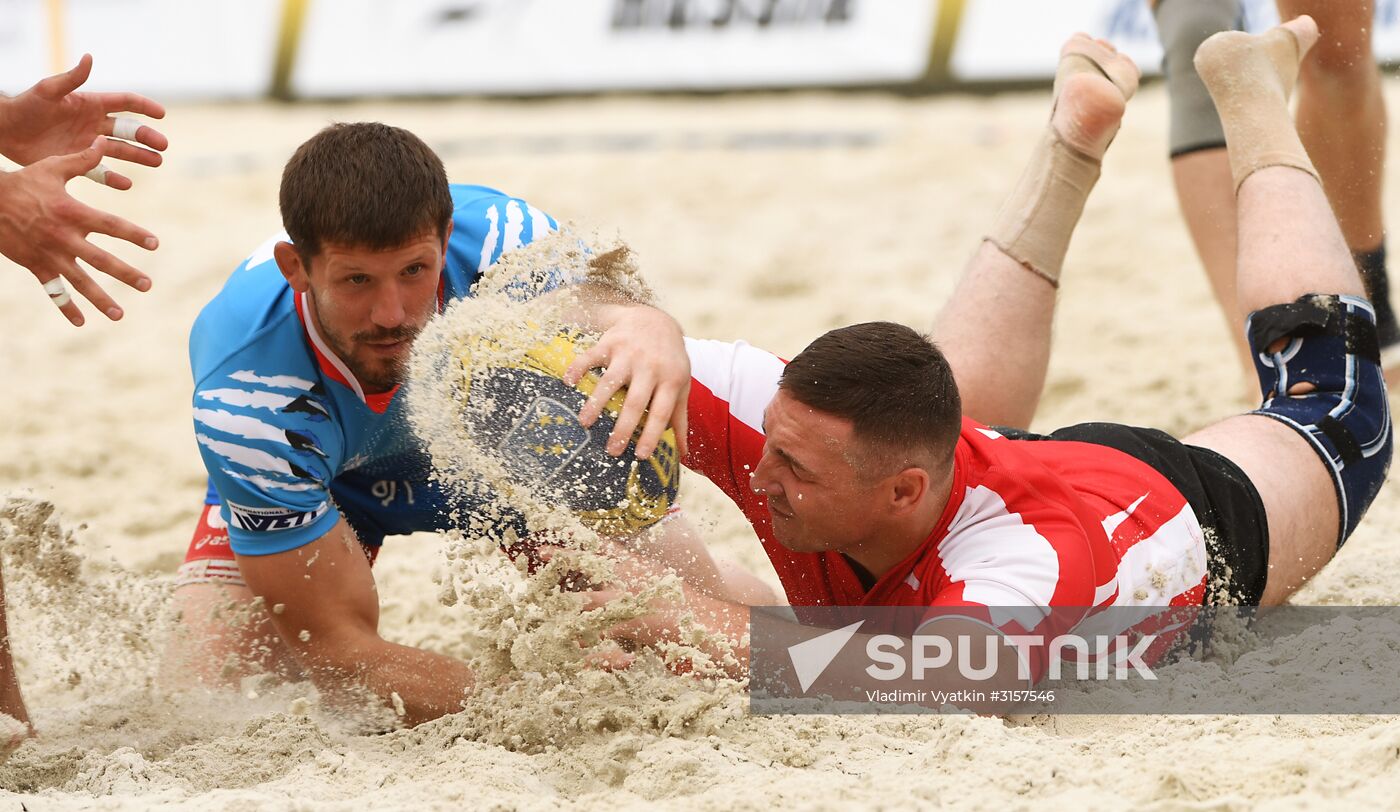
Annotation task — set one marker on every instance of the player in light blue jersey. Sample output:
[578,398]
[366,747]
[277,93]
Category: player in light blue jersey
[297,363]
[291,413]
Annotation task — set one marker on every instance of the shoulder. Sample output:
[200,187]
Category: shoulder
[253,313]
[737,374]
[485,224]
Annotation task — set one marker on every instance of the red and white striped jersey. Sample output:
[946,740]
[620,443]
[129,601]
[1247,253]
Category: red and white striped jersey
[1029,523]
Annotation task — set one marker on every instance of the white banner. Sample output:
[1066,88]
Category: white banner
[24,44]
[1017,40]
[166,49]
[173,49]
[353,47]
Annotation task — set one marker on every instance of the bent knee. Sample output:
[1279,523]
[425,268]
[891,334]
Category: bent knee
[1318,361]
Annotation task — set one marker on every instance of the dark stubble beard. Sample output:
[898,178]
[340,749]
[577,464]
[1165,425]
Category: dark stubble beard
[381,377]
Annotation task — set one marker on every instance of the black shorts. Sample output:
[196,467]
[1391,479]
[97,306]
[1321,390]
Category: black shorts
[1224,500]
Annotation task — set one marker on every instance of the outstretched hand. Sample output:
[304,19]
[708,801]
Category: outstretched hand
[45,230]
[52,118]
[644,350]
[632,575]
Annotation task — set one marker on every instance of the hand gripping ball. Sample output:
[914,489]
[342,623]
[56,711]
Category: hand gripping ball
[522,412]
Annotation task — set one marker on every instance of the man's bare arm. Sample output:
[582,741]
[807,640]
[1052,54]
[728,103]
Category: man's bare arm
[325,606]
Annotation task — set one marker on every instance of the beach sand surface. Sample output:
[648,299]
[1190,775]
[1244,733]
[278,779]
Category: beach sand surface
[768,218]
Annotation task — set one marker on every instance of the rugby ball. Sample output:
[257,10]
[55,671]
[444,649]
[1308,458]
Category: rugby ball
[521,412]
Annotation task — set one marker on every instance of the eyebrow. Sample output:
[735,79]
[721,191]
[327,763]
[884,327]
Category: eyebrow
[788,458]
[791,460]
[423,258]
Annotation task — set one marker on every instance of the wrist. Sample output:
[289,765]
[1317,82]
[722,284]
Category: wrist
[7,104]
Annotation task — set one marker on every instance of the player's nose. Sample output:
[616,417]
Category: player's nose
[388,310]
[761,479]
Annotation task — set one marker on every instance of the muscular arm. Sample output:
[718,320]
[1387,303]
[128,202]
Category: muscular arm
[330,621]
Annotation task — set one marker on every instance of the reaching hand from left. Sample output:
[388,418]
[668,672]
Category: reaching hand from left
[53,118]
[45,230]
[642,349]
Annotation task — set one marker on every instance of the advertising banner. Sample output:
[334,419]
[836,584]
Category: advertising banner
[166,49]
[1019,40]
[354,47]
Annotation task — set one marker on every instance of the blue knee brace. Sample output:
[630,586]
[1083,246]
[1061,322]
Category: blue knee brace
[1332,345]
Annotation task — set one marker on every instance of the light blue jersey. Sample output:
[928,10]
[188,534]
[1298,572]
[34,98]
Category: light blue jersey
[290,441]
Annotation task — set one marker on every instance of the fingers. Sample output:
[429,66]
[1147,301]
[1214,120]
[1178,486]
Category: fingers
[129,129]
[663,406]
[594,356]
[88,163]
[613,379]
[90,290]
[116,268]
[101,222]
[132,103]
[53,288]
[116,180]
[122,151]
[663,403]
[60,85]
[80,163]
[633,407]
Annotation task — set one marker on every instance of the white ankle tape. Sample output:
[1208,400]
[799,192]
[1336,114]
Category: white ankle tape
[1250,79]
[1034,225]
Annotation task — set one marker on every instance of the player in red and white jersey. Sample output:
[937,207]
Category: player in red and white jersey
[1025,522]
[1069,525]
[870,468]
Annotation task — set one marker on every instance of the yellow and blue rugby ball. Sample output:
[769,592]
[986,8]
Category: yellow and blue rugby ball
[530,422]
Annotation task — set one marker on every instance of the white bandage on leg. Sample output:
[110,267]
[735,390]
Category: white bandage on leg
[1034,225]
[58,294]
[97,173]
[125,128]
[1250,78]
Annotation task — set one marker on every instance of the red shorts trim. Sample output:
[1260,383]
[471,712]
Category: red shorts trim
[210,539]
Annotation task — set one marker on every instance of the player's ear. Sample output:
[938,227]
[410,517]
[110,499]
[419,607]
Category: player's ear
[290,264]
[907,489]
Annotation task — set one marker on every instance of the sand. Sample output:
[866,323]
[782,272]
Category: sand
[767,218]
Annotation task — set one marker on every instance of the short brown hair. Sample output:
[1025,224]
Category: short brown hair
[892,383]
[363,185]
